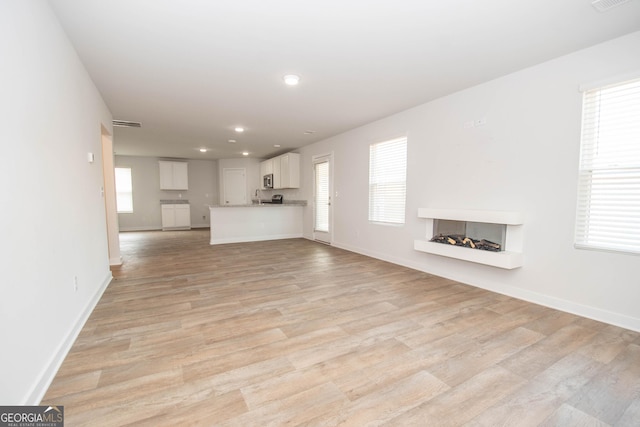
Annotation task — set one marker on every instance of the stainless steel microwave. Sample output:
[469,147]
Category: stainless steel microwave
[268,181]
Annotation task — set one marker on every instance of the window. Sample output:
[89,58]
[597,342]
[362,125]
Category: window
[124,190]
[608,210]
[322,196]
[387,181]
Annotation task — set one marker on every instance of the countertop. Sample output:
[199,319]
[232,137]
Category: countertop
[255,204]
[174,202]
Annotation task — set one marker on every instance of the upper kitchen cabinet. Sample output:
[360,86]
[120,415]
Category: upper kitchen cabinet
[277,173]
[173,175]
[286,171]
[266,167]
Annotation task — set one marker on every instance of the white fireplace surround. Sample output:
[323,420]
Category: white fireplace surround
[508,259]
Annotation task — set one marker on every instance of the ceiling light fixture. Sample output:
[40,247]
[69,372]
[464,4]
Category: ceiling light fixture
[291,79]
[276,145]
[203,150]
[232,141]
[239,129]
[244,153]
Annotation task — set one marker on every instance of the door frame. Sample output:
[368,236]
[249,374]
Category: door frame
[109,196]
[320,236]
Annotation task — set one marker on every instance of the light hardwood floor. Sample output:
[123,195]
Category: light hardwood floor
[294,332]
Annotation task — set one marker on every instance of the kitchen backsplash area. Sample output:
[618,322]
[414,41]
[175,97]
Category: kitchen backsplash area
[287,193]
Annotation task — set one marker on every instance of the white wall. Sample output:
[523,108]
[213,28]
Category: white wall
[145,176]
[53,211]
[524,159]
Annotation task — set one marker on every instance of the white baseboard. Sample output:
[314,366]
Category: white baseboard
[253,239]
[207,225]
[49,373]
[158,228]
[593,313]
[145,228]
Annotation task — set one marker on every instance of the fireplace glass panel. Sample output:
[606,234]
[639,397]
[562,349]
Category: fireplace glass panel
[447,226]
[495,233]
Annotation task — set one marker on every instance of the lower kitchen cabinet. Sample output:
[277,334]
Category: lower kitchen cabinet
[176,217]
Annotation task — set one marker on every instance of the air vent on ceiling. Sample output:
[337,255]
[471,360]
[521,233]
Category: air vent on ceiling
[604,5]
[126,124]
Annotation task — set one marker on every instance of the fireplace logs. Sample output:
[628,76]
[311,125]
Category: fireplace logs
[460,240]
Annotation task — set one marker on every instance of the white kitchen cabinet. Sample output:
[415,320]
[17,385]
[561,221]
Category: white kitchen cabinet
[173,175]
[287,168]
[266,168]
[277,173]
[176,217]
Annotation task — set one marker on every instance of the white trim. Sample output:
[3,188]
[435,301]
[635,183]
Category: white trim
[143,228]
[245,239]
[159,227]
[608,180]
[597,314]
[317,159]
[39,389]
[620,78]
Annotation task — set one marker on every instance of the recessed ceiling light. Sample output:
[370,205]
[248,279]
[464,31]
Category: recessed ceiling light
[245,153]
[203,150]
[291,79]
[232,141]
[276,145]
[239,129]
[309,132]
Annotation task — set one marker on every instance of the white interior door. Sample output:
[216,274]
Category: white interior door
[234,186]
[322,199]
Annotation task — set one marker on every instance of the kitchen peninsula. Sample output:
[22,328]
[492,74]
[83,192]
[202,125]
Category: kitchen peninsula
[255,222]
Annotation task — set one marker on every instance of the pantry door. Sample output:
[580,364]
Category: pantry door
[322,210]
[235,186]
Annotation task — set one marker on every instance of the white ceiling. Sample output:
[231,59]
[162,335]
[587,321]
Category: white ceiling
[192,70]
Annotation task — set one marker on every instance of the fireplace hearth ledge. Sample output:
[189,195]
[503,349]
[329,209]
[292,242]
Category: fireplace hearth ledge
[509,259]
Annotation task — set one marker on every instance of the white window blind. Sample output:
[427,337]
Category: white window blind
[387,181]
[124,190]
[608,210]
[322,197]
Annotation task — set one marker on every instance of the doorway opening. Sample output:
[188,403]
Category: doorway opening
[322,210]
[109,195]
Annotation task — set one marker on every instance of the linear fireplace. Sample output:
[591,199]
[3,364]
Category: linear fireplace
[475,235]
[486,237]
